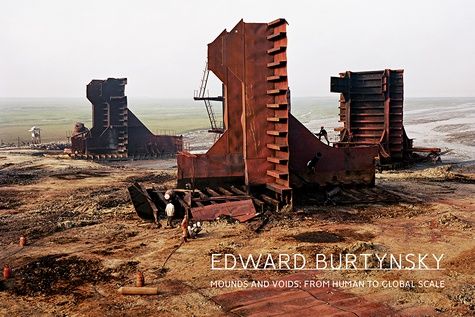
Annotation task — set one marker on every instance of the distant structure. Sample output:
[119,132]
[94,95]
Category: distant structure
[35,135]
[116,132]
[371,110]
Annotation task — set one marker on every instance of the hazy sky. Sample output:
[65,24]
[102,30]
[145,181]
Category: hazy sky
[53,48]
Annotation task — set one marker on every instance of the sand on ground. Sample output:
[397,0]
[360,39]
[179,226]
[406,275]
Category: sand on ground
[85,240]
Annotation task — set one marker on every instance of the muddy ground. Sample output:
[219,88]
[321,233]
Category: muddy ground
[85,241]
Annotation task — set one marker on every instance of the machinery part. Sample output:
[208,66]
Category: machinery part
[139,279]
[143,204]
[7,272]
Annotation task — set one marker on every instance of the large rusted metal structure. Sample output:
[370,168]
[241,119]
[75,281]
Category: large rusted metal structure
[116,132]
[263,145]
[371,109]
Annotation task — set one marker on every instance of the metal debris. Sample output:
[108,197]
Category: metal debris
[240,210]
[150,203]
[143,204]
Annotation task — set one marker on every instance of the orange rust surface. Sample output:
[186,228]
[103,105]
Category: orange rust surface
[322,301]
[241,210]
[263,143]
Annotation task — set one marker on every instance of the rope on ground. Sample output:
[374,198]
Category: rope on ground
[169,256]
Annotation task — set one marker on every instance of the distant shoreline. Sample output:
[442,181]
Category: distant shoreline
[446,122]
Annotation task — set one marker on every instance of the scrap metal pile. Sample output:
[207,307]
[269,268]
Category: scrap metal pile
[231,202]
[116,132]
[204,205]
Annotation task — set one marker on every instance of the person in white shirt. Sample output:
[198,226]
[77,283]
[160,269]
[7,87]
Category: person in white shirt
[170,211]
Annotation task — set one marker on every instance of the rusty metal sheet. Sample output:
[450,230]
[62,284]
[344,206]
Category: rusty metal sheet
[238,58]
[322,301]
[371,109]
[336,165]
[143,204]
[242,211]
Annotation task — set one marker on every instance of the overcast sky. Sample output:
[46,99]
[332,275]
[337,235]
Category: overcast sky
[53,48]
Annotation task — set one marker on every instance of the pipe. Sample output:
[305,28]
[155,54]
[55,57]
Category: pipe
[138,290]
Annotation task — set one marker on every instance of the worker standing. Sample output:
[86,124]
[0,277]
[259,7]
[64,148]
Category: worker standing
[184,224]
[170,211]
[323,133]
[312,164]
[169,194]
[184,228]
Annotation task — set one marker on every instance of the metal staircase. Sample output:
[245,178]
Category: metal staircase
[201,95]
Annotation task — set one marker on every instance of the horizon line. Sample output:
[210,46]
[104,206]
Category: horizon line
[191,98]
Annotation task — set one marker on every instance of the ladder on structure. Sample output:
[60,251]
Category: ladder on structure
[201,95]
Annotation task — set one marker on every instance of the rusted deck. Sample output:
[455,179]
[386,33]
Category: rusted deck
[298,302]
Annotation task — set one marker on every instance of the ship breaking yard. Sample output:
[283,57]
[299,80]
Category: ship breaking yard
[84,231]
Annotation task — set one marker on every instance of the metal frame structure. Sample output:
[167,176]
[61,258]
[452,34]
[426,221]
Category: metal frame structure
[116,131]
[371,109]
[263,145]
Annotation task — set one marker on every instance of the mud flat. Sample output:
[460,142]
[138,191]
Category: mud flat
[85,241]
[448,124]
